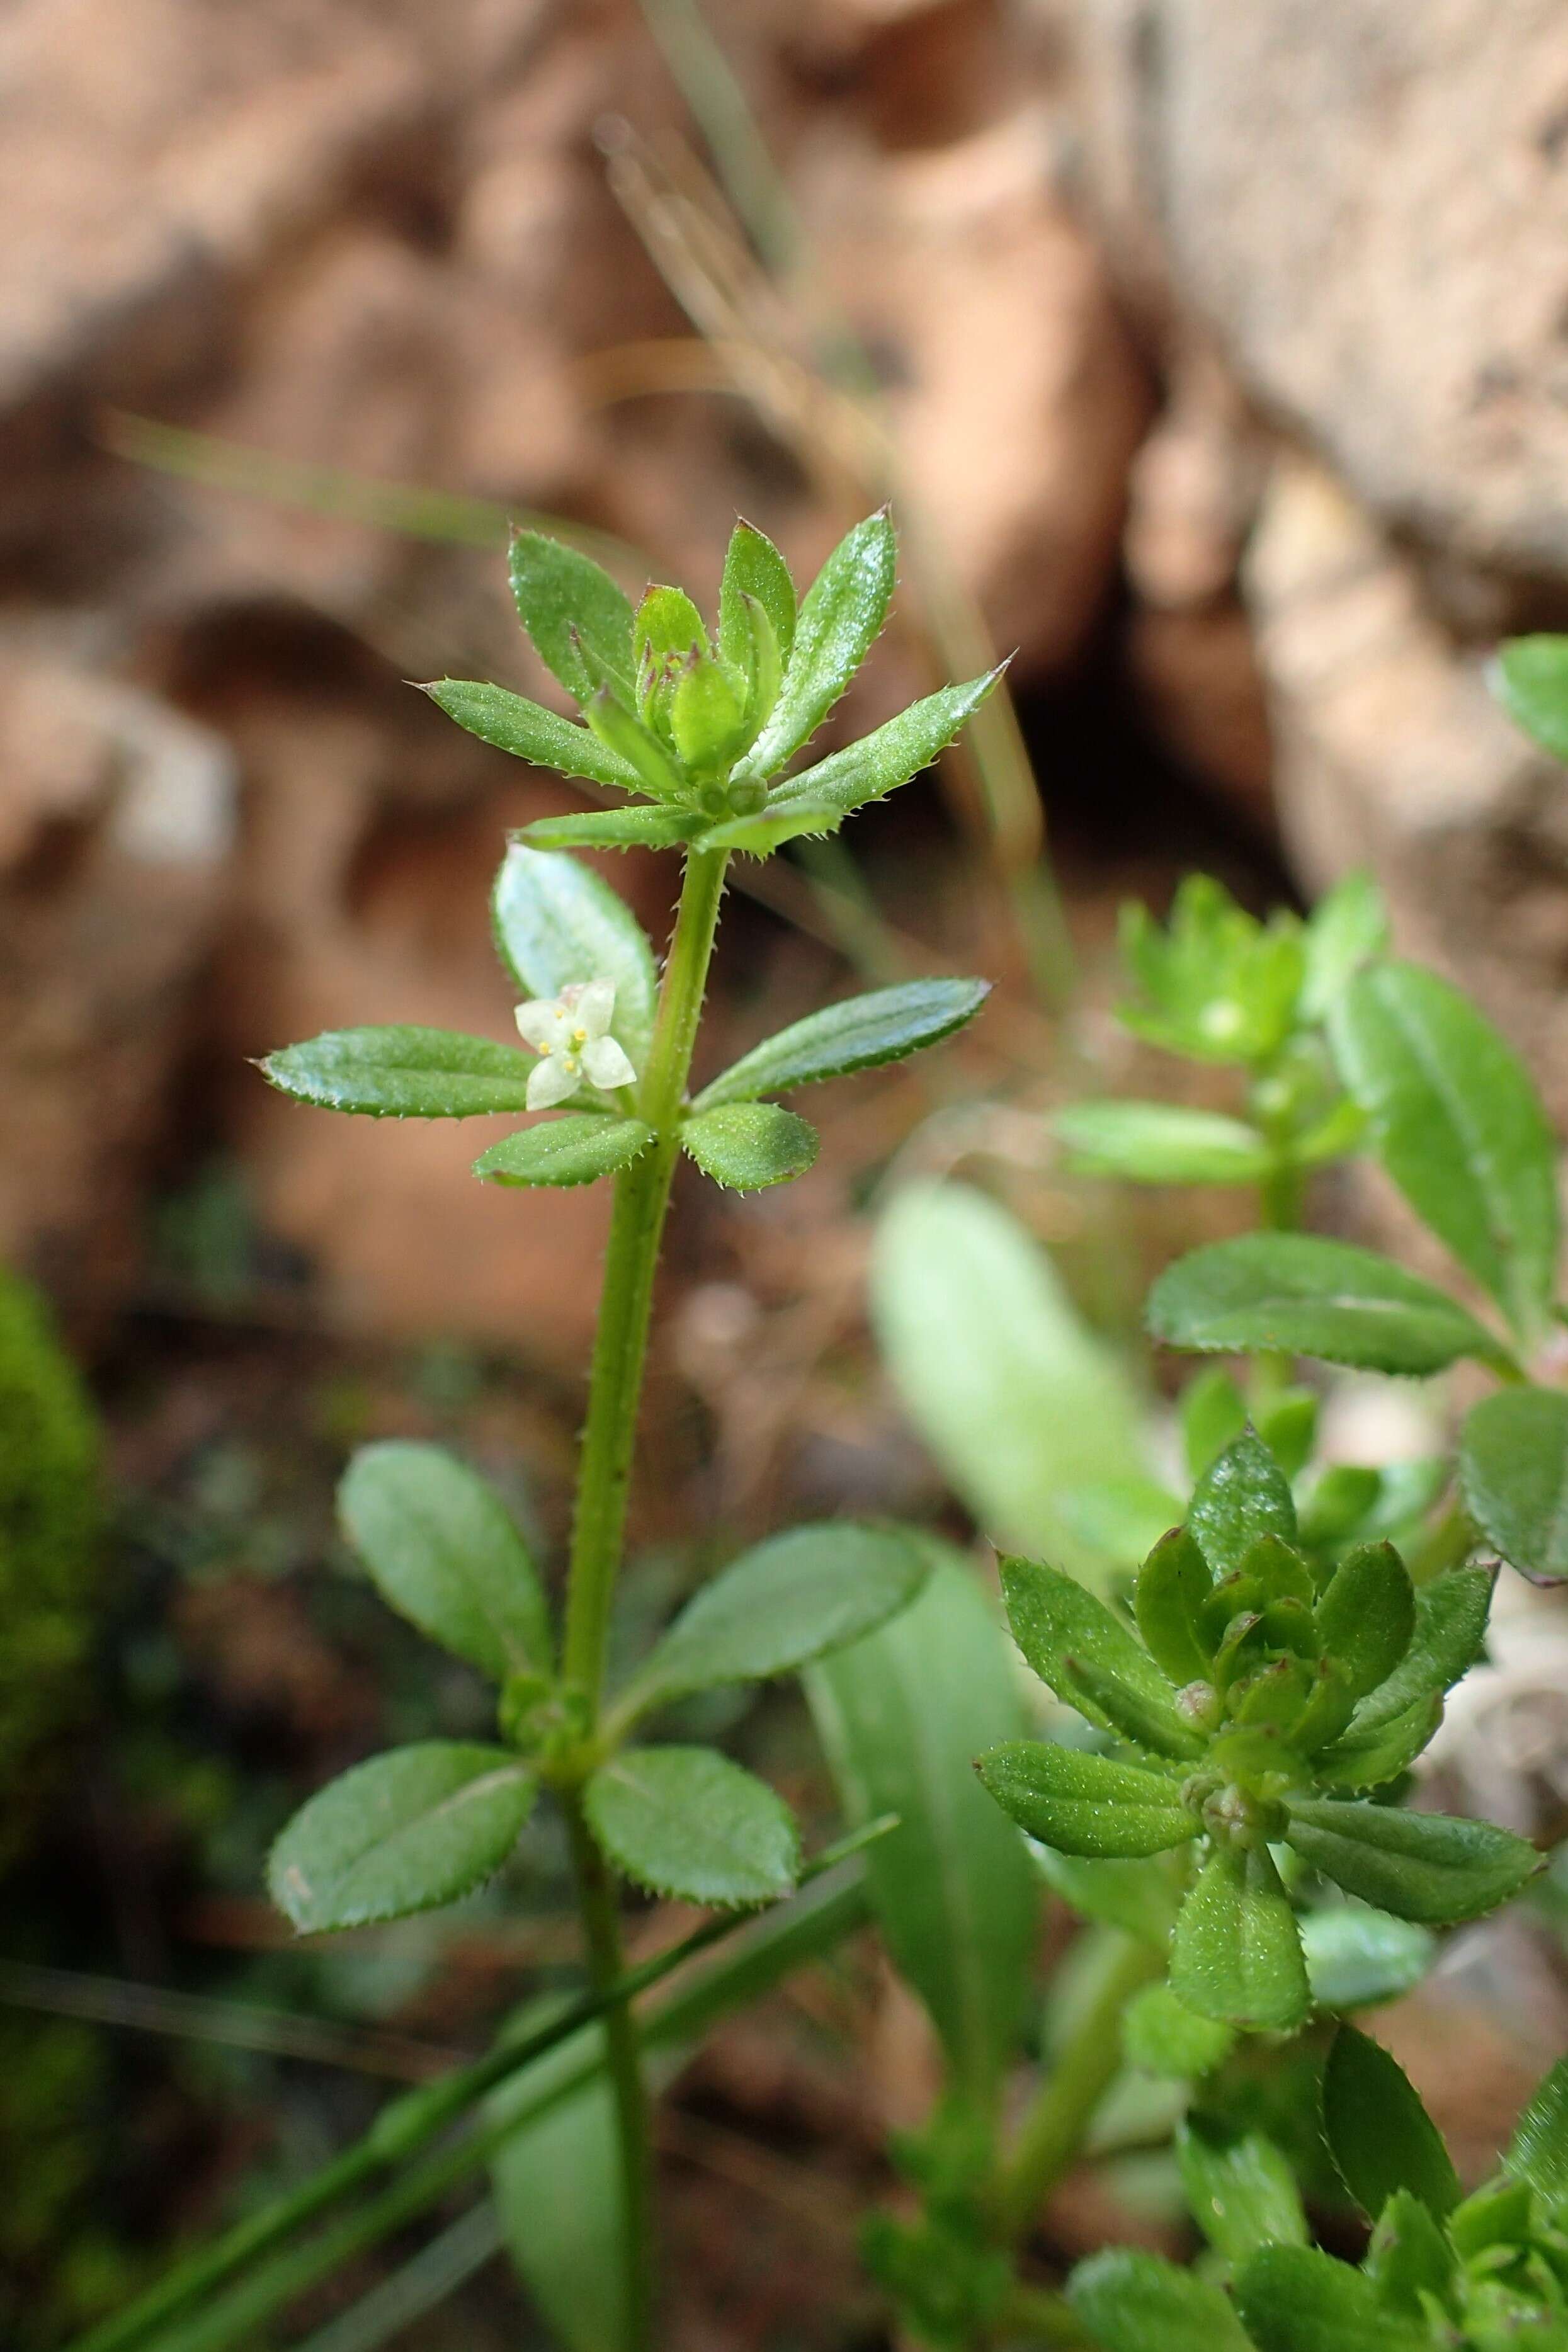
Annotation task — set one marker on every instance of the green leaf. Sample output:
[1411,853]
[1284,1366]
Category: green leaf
[1411,2259]
[580,622]
[1240,2186]
[1015,1399]
[1162,1143]
[685,1821]
[1138,2303]
[1530,678]
[1372,1758]
[1242,1495]
[443,1548]
[1458,1123]
[753,567]
[1217,984]
[1346,928]
[1090,1660]
[860,1034]
[1085,1804]
[1366,1617]
[1425,1866]
[667,630]
[843,610]
[529,732]
[1288,1424]
[1357,1956]
[1120,1519]
[407,1830]
[785,1602]
[558,2193]
[1378,2134]
[1213,1416]
[1299,1295]
[748,1145]
[1163,2036]
[622,733]
[573,1150]
[623,828]
[820,799]
[556,923]
[902,1716]
[1167,1599]
[1236,1955]
[1513,1472]
[1450,1627]
[1141,1897]
[707,718]
[403,1074]
[1538,2152]
[1296,2299]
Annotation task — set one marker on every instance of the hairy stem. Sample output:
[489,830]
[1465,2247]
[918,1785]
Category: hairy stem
[1056,2124]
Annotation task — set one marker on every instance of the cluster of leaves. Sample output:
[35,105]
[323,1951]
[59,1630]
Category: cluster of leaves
[1442,2271]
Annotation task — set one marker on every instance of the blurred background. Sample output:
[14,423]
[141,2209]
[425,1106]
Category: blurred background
[1216,360]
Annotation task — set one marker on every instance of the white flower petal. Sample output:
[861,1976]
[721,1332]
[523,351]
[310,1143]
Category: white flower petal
[550,1083]
[539,1023]
[607,1064]
[594,1007]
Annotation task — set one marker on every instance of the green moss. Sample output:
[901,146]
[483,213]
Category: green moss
[51,1525]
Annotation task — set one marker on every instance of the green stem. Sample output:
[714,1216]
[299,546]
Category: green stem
[1056,2124]
[623,2060]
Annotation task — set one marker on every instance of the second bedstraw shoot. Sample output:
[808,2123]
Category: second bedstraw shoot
[698,733]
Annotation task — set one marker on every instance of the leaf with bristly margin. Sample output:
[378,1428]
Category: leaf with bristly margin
[1163,2036]
[1240,2186]
[686,1822]
[558,925]
[1456,1122]
[1357,1958]
[403,1073]
[818,800]
[1235,1955]
[1140,2302]
[1242,1495]
[1372,1758]
[1297,2299]
[417,1827]
[1346,928]
[1530,678]
[1087,1804]
[859,1034]
[1017,1399]
[747,1146]
[902,1716]
[1090,1660]
[444,1548]
[1450,1627]
[842,611]
[753,567]
[1513,1472]
[1367,1615]
[1162,1143]
[511,723]
[1427,1866]
[1378,2134]
[1296,1294]
[580,622]
[1538,2152]
[574,1150]
[623,828]
[1173,1585]
[790,1600]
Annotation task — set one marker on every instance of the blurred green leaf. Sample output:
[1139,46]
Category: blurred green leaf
[1425,1866]
[1213,1416]
[685,1821]
[1162,1143]
[860,1034]
[1085,1804]
[1138,2303]
[747,1146]
[558,925]
[1300,1295]
[1240,2186]
[902,1716]
[1538,2152]
[1295,2299]
[1530,678]
[403,1074]
[443,1548]
[578,1149]
[407,1830]
[1347,928]
[1357,1956]
[1380,2135]
[1514,1469]
[1161,2034]
[1216,984]
[1015,1398]
[557,2188]
[1458,1123]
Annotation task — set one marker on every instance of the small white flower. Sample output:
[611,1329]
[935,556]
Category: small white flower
[571,1033]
